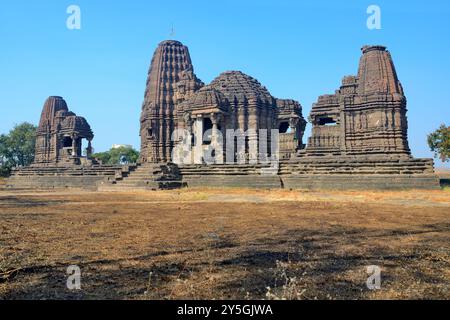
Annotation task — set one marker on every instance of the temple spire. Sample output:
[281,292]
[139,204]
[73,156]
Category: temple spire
[377,72]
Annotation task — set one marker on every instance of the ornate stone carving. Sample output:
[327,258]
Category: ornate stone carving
[59,135]
[170,79]
[366,116]
[236,99]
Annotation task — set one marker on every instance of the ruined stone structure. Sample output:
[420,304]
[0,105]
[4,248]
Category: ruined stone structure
[170,80]
[59,136]
[176,99]
[59,161]
[366,115]
[359,135]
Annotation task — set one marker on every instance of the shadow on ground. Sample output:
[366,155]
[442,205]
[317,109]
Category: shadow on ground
[295,264]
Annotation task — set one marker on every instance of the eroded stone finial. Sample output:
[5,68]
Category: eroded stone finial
[377,72]
[368,48]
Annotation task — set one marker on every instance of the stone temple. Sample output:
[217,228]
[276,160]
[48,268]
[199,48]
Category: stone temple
[358,141]
[367,114]
[176,99]
[59,161]
[59,136]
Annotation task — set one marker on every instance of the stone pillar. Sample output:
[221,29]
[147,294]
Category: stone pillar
[269,126]
[198,148]
[89,149]
[56,146]
[214,130]
[217,143]
[241,151]
[253,126]
[74,146]
[189,124]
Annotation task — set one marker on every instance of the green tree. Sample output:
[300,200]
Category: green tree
[104,157]
[17,147]
[118,155]
[439,142]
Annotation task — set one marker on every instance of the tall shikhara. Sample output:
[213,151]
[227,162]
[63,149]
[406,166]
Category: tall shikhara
[176,99]
[367,114]
[170,79]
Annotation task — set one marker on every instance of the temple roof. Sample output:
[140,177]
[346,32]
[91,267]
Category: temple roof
[170,43]
[56,116]
[52,105]
[376,72]
[77,124]
[236,84]
[207,96]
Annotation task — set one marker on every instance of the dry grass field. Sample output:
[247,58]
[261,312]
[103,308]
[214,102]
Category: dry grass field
[224,244]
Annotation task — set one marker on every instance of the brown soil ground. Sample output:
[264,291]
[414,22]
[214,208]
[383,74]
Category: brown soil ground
[223,244]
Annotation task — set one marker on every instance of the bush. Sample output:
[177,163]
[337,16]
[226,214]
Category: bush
[17,147]
[121,155]
[439,142]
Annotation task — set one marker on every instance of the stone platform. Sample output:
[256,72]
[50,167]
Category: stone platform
[359,173]
[361,182]
[352,173]
[234,175]
[54,177]
[358,165]
[147,176]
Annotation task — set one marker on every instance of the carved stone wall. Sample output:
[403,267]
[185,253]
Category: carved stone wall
[291,125]
[59,135]
[175,98]
[171,79]
[366,115]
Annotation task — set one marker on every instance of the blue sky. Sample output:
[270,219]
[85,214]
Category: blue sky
[297,49]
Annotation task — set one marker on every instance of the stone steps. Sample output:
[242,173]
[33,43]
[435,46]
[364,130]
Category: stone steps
[320,165]
[331,169]
[360,182]
[64,177]
[234,181]
[308,172]
[236,170]
[67,171]
[147,177]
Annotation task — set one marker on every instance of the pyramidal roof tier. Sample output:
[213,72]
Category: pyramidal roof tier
[52,105]
[238,84]
[171,63]
[376,73]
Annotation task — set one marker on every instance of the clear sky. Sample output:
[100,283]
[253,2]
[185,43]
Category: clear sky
[297,49]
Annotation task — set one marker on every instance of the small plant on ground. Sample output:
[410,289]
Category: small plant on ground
[286,287]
